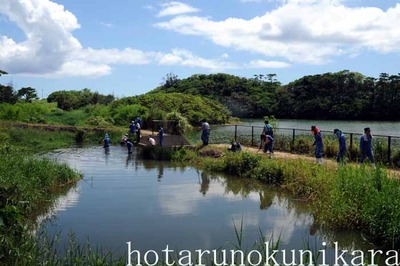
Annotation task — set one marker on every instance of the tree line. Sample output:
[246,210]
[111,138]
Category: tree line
[340,95]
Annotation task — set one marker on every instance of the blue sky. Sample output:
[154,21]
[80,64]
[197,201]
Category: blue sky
[126,47]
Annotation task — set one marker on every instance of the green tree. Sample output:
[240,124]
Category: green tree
[7,94]
[27,94]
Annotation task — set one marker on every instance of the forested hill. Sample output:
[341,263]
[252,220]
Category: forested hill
[340,95]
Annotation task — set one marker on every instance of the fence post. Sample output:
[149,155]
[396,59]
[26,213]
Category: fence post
[293,138]
[351,140]
[252,135]
[389,148]
[235,133]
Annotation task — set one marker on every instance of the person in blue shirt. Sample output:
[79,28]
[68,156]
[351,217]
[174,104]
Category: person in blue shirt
[319,146]
[205,134]
[268,130]
[106,141]
[132,128]
[161,135]
[269,145]
[266,144]
[235,146]
[366,146]
[129,145]
[340,158]
[138,120]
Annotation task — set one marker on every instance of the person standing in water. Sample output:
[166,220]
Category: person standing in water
[106,141]
[129,145]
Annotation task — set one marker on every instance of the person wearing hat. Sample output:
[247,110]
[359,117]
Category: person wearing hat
[106,141]
[366,147]
[205,134]
[340,158]
[319,146]
[132,128]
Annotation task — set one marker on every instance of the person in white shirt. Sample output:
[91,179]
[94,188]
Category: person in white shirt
[152,141]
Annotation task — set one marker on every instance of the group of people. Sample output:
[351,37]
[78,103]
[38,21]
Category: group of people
[134,128]
[365,145]
[267,139]
[267,144]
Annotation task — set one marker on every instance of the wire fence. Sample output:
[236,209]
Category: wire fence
[386,148]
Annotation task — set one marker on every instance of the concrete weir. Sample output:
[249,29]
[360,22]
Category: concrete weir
[169,141]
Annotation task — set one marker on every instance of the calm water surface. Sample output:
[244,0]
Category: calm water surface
[391,128]
[153,204]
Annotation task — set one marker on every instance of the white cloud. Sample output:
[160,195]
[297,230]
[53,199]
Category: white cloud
[301,31]
[150,7]
[267,64]
[51,50]
[108,25]
[47,27]
[186,58]
[176,8]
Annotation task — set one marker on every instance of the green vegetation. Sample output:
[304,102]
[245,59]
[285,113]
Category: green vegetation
[351,197]
[28,185]
[340,95]
[186,110]
[31,140]
[194,108]
[71,100]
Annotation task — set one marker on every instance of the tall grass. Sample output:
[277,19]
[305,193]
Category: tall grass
[27,186]
[34,112]
[34,140]
[351,197]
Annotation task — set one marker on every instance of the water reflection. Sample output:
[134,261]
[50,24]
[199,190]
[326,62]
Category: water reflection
[189,209]
[128,160]
[205,182]
[160,171]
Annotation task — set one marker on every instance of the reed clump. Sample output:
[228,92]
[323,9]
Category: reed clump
[352,197]
[28,185]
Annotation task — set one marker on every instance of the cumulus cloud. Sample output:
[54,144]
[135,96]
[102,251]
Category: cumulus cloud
[176,8]
[47,27]
[51,50]
[300,31]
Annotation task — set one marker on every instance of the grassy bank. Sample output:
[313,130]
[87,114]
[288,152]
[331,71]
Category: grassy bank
[28,186]
[41,138]
[349,197]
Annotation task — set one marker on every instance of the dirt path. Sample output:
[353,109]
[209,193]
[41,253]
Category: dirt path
[292,156]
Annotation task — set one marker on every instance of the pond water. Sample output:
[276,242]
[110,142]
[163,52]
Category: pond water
[154,204]
[391,128]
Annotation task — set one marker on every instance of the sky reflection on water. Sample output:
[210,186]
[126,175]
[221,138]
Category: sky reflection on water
[153,204]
